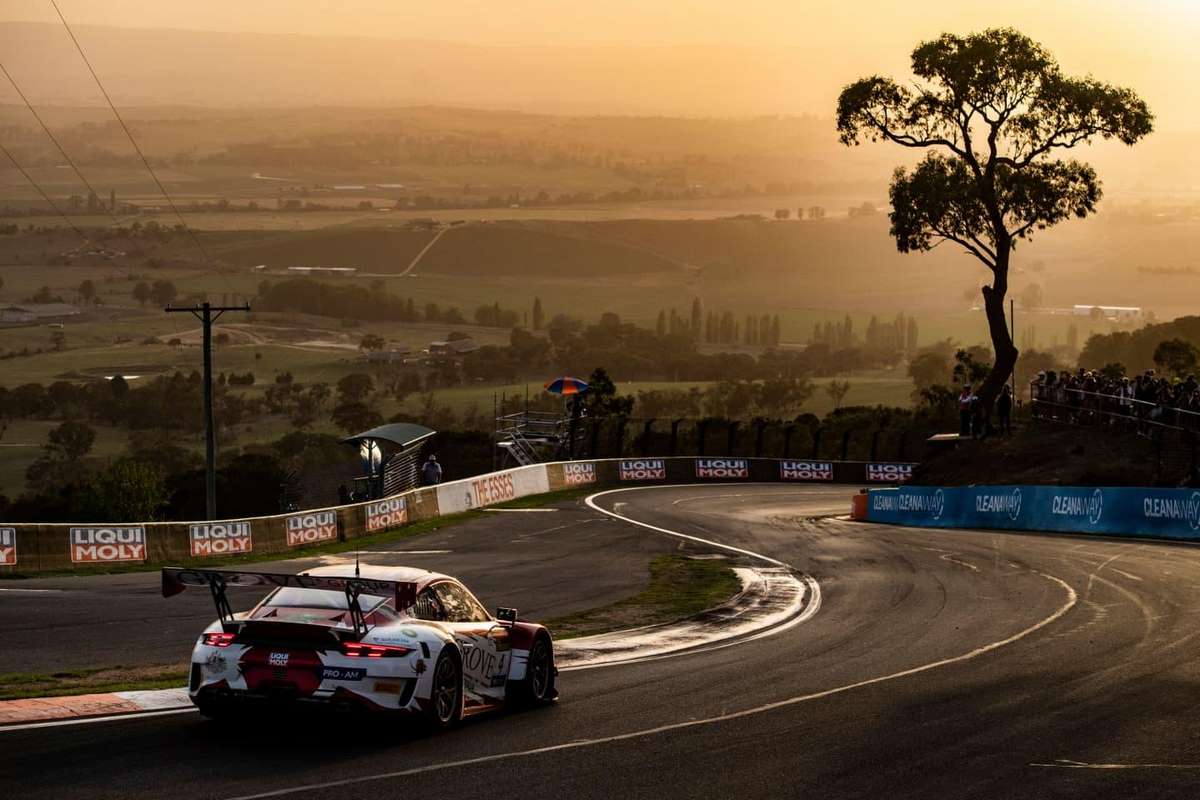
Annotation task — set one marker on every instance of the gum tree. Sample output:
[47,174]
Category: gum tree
[994,110]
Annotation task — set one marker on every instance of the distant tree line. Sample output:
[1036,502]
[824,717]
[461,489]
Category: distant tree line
[719,327]
[1136,349]
[359,302]
[900,334]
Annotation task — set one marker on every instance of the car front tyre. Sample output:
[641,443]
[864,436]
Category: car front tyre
[538,686]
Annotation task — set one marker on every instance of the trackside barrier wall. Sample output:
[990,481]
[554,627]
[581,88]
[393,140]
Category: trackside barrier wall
[1155,513]
[28,548]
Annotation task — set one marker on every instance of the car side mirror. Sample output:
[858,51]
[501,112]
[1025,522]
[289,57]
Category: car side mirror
[506,614]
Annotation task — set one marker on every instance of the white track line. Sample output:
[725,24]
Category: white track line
[1072,599]
[580,743]
[58,723]
[591,501]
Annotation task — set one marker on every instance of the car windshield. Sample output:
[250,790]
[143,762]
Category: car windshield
[320,598]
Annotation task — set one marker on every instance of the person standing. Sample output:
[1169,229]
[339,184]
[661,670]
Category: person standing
[964,410]
[431,473]
[1004,406]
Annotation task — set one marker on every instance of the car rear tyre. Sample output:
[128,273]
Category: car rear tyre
[538,686]
[446,694]
[214,710]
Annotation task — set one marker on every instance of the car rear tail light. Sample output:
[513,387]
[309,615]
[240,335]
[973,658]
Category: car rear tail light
[360,650]
[219,639]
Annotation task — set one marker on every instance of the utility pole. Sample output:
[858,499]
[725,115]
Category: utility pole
[208,314]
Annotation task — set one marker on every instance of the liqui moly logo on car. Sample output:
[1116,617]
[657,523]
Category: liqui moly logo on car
[91,545]
[642,469]
[220,538]
[574,474]
[806,470]
[493,489]
[8,547]
[388,513]
[317,526]
[722,468]
[889,473]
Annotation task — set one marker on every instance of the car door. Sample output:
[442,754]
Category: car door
[484,643]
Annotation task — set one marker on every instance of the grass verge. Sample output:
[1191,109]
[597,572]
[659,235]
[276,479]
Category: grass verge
[18,685]
[679,587]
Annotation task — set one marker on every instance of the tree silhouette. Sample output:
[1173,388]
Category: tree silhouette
[997,107]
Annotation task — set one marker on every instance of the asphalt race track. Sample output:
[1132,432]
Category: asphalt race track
[544,564]
[940,664]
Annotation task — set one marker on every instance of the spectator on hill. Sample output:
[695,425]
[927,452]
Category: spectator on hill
[965,401]
[1004,405]
[1089,396]
[431,473]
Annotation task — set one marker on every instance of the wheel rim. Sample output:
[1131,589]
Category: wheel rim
[539,670]
[446,690]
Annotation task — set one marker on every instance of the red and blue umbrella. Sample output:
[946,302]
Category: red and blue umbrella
[566,385]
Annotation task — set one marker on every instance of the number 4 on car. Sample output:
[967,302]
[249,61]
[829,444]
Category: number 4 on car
[385,639]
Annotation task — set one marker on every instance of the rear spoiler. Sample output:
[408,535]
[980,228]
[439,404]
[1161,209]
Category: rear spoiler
[176,579]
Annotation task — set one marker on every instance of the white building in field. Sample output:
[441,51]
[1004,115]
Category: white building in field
[1120,313]
[16,314]
[36,312]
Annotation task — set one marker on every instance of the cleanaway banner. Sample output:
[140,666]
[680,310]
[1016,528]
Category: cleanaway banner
[1164,513]
[493,488]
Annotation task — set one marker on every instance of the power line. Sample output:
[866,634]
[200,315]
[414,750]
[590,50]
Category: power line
[62,150]
[51,135]
[129,134]
[45,196]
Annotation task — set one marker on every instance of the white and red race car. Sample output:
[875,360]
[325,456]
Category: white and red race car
[392,639]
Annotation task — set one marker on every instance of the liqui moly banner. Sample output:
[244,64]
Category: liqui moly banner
[389,513]
[311,528]
[1167,513]
[575,474]
[889,473]
[8,547]
[723,468]
[806,470]
[220,538]
[91,545]
[642,469]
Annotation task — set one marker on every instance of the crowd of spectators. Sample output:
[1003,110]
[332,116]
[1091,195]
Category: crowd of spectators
[1092,396]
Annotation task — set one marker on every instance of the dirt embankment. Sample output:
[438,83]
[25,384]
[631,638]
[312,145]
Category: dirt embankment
[1049,453]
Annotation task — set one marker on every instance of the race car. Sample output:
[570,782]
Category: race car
[386,639]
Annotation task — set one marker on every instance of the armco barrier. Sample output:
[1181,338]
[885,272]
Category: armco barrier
[29,548]
[1155,513]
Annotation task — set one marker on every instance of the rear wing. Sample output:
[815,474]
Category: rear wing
[176,579]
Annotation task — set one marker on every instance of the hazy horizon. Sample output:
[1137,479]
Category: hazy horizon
[625,58]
